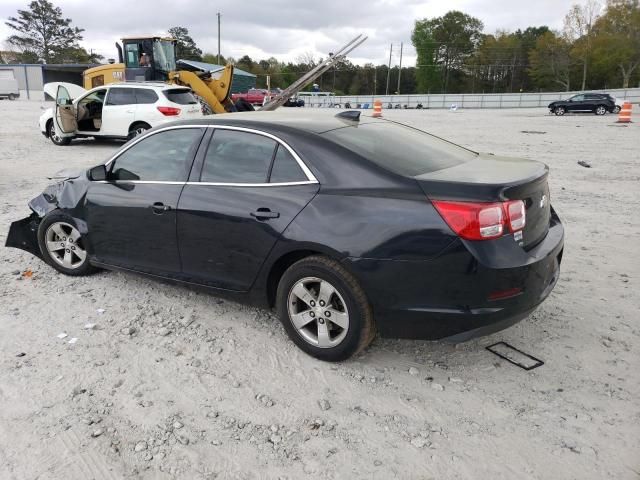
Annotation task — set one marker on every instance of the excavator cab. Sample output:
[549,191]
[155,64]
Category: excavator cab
[147,58]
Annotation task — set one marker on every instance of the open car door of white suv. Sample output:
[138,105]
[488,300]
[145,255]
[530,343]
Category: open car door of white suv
[64,117]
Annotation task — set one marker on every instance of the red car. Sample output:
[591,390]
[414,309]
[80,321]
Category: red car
[255,96]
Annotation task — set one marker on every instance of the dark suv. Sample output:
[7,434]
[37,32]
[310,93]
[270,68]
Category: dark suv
[598,103]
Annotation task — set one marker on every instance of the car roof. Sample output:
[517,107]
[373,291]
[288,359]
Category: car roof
[145,85]
[313,121]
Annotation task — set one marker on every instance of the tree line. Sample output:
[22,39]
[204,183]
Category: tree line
[597,48]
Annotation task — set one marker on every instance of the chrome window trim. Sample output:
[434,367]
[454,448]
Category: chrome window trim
[311,179]
[210,184]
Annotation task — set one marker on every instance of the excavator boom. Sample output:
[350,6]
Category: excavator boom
[214,89]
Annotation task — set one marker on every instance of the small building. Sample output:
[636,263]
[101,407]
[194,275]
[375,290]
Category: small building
[32,76]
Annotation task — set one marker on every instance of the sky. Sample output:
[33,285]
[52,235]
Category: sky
[288,29]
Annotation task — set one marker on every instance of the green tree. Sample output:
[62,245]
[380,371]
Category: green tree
[426,68]
[579,29]
[186,48]
[450,41]
[43,32]
[551,62]
[213,58]
[617,38]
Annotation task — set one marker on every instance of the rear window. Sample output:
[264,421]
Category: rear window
[180,96]
[400,149]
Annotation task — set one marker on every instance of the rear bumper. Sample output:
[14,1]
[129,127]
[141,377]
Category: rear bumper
[448,297]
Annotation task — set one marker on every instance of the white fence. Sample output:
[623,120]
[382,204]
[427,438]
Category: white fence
[462,100]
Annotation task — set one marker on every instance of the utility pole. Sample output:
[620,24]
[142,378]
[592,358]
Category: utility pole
[399,69]
[218,61]
[375,81]
[389,69]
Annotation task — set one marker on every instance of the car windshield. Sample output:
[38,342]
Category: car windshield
[164,55]
[399,148]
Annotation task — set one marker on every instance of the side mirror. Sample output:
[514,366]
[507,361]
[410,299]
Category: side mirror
[98,173]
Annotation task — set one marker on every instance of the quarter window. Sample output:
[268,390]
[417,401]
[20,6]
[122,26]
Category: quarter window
[285,168]
[164,156]
[121,96]
[238,157]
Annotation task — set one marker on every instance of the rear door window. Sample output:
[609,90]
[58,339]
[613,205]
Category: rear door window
[121,96]
[400,149]
[181,96]
[238,157]
[285,168]
[145,96]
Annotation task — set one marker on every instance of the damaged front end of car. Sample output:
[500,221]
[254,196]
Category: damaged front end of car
[66,195]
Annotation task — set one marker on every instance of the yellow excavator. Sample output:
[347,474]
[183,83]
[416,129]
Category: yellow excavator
[147,58]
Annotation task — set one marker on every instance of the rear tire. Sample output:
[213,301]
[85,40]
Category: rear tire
[11,96]
[137,129]
[62,246]
[616,109]
[600,110]
[559,111]
[60,141]
[328,326]
[204,106]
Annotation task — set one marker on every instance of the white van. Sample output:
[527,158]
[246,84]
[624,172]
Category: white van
[8,85]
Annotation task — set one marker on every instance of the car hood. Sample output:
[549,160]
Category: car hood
[67,174]
[74,90]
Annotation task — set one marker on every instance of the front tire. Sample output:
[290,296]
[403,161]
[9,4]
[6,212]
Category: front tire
[324,309]
[63,246]
[559,111]
[11,96]
[57,140]
[600,110]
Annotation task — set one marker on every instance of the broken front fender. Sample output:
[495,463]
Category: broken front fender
[23,234]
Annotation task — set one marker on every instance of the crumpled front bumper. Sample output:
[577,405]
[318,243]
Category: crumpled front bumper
[23,234]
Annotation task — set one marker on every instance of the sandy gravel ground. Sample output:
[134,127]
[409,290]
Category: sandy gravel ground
[170,383]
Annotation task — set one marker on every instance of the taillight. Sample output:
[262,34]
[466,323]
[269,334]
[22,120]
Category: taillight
[516,214]
[482,221]
[169,111]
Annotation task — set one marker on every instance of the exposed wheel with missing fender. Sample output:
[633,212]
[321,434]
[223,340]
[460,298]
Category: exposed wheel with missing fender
[324,309]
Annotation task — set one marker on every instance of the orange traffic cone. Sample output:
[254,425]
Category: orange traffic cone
[625,113]
[377,109]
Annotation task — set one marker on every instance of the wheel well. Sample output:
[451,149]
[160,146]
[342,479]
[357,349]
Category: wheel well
[278,269]
[47,126]
[135,124]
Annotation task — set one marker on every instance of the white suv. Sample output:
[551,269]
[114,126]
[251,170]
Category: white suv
[117,110]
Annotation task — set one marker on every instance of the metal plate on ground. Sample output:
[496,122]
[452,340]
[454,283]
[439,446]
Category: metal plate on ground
[515,356]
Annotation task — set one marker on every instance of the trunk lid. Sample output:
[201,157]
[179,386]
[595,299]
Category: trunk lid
[489,178]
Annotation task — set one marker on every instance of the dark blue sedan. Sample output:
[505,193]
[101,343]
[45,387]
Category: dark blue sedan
[347,225]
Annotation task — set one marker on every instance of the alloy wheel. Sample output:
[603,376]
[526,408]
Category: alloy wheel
[64,245]
[601,110]
[318,312]
[559,111]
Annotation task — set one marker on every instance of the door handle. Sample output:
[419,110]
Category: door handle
[159,208]
[264,214]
